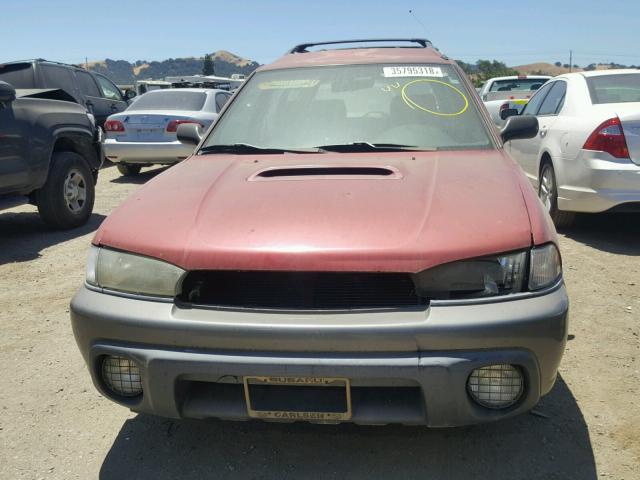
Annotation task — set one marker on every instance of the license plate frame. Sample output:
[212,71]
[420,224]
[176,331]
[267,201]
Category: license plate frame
[314,416]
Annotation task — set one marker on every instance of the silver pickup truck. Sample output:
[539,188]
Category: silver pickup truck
[503,93]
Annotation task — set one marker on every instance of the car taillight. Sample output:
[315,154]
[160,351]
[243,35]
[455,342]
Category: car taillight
[114,126]
[172,126]
[608,137]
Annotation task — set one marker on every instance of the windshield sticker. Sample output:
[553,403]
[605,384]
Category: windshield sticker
[413,104]
[288,84]
[412,71]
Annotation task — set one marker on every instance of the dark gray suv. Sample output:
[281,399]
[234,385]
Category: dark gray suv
[96,92]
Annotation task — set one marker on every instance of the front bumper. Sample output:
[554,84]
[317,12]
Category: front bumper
[597,182]
[146,153]
[405,366]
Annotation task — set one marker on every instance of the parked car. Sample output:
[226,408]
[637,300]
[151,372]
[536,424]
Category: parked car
[502,93]
[587,156]
[350,242]
[92,90]
[49,155]
[145,134]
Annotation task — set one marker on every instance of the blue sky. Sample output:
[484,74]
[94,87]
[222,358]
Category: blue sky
[514,32]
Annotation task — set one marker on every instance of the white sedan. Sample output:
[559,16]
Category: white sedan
[145,133]
[586,157]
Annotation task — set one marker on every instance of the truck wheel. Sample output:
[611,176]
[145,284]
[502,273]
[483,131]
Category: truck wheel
[548,193]
[128,170]
[66,199]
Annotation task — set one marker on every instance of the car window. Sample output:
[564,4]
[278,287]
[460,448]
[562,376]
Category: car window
[621,88]
[54,76]
[221,99]
[517,85]
[87,84]
[175,99]
[425,106]
[532,107]
[109,90]
[554,100]
[20,75]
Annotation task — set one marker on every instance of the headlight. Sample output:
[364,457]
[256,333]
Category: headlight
[491,276]
[126,272]
[546,267]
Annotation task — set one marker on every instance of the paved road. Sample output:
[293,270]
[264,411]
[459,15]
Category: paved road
[53,424]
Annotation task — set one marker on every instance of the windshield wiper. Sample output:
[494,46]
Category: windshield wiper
[245,148]
[372,147]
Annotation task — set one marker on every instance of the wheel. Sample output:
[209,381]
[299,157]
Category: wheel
[66,199]
[548,193]
[128,170]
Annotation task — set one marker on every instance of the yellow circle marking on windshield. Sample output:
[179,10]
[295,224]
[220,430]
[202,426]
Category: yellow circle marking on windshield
[409,101]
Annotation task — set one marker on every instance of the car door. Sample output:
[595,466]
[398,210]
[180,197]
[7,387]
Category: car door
[548,134]
[110,101]
[90,91]
[525,152]
[14,159]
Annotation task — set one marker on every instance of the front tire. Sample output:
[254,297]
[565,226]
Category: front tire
[128,170]
[548,194]
[66,199]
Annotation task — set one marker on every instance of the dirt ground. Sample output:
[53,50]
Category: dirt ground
[53,423]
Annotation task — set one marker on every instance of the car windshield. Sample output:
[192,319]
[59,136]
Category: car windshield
[169,100]
[517,85]
[621,88]
[365,106]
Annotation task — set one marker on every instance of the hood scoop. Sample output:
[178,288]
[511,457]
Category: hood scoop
[327,172]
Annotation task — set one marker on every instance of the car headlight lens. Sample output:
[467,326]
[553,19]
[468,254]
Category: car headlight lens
[546,267]
[491,276]
[130,273]
[480,277]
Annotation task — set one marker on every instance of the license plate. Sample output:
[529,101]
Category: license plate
[298,398]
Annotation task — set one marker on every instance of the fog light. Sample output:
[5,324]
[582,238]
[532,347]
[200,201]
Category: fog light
[122,376]
[496,386]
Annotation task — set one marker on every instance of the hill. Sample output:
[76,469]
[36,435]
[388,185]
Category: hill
[125,73]
[543,68]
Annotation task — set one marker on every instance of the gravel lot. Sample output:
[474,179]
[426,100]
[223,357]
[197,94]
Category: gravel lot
[53,424]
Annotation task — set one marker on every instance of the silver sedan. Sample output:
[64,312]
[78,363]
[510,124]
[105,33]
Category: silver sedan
[586,157]
[145,133]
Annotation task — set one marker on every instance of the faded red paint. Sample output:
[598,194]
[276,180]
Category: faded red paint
[205,213]
[358,56]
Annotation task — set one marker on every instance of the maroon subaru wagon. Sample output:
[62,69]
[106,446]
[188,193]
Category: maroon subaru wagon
[348,242]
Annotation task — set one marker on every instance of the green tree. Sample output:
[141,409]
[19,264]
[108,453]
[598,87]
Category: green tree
[207,67]
[486,69]
[466,67]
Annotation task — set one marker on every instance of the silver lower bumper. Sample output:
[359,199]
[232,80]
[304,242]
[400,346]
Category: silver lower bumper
[405,367]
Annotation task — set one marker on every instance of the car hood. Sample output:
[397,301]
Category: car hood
[417,210]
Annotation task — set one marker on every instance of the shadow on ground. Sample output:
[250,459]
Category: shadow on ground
[143,177]
[24,235]
[552,445]
[610,232]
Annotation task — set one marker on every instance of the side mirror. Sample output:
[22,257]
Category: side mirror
[7,93]
[129,94]
[508,112]
[189,133]
[519,128]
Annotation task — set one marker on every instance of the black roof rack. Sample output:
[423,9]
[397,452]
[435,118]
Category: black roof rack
[302,48]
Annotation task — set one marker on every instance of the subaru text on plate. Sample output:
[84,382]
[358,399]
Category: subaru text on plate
[349,242]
